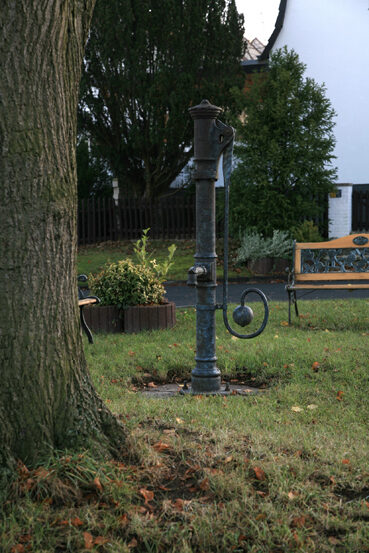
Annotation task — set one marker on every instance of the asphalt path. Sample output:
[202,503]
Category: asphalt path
[185,296]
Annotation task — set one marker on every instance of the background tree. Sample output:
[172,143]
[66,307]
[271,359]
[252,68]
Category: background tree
[93,177]
[146,62]
[286,149]
[47,399]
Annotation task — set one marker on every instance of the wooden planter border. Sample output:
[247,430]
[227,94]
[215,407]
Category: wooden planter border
[106,318]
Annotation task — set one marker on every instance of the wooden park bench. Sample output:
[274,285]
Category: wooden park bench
[340,264]
[84,300]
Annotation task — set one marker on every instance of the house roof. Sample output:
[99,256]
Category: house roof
[254,49]
[278,26]
[250,61]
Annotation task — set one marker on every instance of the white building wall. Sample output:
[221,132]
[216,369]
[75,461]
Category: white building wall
[332,38]
[339,212]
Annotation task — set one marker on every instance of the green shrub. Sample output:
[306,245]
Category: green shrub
[123,283]
[254,246]
[306,232]
[160,269]
[285,148]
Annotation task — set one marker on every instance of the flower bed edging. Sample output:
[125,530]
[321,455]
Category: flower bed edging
[107,318]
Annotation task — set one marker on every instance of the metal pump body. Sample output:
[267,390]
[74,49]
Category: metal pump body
[212,138]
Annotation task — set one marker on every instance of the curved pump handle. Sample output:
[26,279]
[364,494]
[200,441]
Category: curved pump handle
[243,315]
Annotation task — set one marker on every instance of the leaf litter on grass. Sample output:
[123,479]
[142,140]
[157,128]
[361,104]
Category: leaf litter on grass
[196,460]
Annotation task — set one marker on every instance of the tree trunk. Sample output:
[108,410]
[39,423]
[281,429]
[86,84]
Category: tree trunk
[47,399]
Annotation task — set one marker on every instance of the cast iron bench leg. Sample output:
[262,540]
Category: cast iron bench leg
[295,302]
[292,298]
[84,326]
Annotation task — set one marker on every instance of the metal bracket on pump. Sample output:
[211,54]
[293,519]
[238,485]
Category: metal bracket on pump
[242,315]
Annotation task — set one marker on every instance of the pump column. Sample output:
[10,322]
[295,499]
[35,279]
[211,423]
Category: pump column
[208,146]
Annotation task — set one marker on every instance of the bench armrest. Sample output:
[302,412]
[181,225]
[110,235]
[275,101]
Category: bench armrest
[81,294]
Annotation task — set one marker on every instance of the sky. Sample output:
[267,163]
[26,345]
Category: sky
[260,16]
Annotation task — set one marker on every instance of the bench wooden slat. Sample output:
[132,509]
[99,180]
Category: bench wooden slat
[299,277]
[329,286]
[344,242]
[87,301]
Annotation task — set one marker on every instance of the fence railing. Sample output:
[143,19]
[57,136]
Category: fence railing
[103,219]
[360,210]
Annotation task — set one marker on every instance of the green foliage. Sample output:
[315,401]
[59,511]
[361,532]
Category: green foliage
[286,149]
[146,62]
[123,284]
[92,173]
[161,269]
[254,246]
[306,232]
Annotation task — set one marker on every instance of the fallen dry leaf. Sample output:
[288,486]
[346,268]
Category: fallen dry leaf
[147,494]
[178,504]
[88,539]
[296,409]
[76,522]
[260,516]
[292,495]
[204,484]
[299,522]
[100,540]
[161,446]
[98,484]
[345,461]
[25,538]
[151,385]
[339,395]
[123,520]
[312,406]
[41,472]
[18,548]
[259,473]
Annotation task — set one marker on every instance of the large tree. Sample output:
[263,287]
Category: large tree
[146,62]
[285,149]
[47,399]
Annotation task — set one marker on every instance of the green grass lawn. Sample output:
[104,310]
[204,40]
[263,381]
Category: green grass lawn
[92,258]
[284,470]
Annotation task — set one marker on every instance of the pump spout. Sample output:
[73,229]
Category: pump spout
[194,272]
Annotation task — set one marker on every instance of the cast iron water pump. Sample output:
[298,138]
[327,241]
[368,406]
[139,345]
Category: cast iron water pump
[212,139]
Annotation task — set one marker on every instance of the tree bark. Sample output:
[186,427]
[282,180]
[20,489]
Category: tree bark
[47,399]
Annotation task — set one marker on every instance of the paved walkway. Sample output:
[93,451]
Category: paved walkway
[185,296]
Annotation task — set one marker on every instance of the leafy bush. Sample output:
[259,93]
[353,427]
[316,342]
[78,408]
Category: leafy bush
[306,232]
[143,258]
[285,149]
[254,246]
[123,283]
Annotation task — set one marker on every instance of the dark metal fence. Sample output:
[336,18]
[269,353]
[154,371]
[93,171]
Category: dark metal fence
[360,210]
[104,219]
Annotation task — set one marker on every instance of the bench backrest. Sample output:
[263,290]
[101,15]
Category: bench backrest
[345,258]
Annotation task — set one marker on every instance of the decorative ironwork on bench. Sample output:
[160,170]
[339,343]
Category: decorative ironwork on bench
[341,260]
